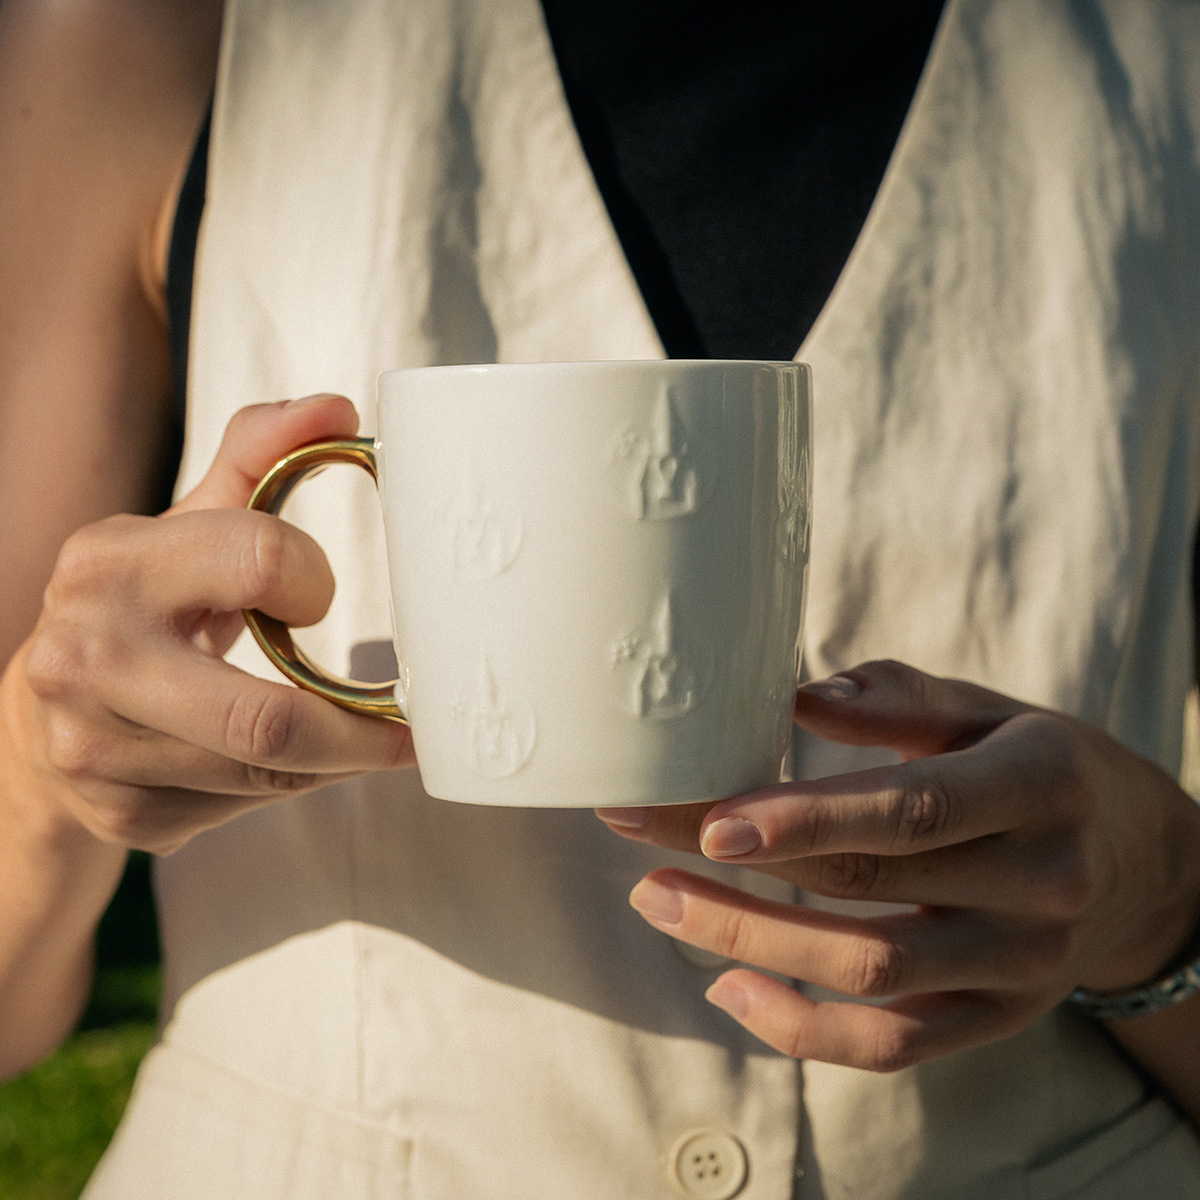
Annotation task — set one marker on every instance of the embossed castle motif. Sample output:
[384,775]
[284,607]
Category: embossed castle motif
[666,481]
[669,674]
[485,534]
[501,731]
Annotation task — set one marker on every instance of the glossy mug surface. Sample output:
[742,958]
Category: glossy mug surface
[598,575]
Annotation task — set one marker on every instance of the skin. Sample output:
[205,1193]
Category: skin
[1040,853]
[120,726]
[1043,854]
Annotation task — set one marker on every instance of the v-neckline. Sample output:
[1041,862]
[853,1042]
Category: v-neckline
[892,170]
[901,152]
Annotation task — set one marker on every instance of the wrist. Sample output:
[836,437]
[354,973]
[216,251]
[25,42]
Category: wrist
[1160,962]
[56,879]
[1175,941]
[35,806]
[1178,982]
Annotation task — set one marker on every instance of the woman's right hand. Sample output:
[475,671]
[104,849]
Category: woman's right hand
[128,718]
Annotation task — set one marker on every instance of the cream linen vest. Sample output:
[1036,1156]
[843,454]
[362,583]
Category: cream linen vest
[372,993]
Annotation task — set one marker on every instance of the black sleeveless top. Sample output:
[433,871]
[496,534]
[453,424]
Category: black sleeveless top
[738,149]
[738,154]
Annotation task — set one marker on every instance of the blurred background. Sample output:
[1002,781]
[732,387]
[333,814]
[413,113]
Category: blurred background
[56,1119]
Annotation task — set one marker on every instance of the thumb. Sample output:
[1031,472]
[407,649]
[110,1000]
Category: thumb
[890,704]
[257,437]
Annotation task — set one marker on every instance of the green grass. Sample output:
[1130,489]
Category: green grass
[56,1119]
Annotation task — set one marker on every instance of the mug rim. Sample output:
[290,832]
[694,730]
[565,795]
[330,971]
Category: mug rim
[597,365]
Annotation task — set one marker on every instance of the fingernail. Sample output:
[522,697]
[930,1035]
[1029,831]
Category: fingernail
[626,818]
[662,905]
[730,837]
[306,401]
[728,997]
[836,687]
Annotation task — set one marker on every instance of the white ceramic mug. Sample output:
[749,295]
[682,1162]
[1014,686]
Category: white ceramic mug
[598,575]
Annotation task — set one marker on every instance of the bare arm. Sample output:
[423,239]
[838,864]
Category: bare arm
[99,105]
[121,725]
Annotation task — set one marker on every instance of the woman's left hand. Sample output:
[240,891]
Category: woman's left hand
[1040,854]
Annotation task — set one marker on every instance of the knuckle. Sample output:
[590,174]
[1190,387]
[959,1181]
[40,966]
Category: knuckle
[1049,729]
[794,1041]
[1064,888]
[923,814]
[915,686]
[266,779]
[91,557]
[263,561]
[69,564]
[56,661]
[77,560]
[812,826]
[73,748]
[261,725]
[876,968]
[849,876]
[1057,751]
[735,936]
[892,1049]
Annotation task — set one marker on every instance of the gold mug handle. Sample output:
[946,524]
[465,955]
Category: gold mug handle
[275,638]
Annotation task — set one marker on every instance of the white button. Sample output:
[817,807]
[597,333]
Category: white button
[707,1164]
[706,960]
